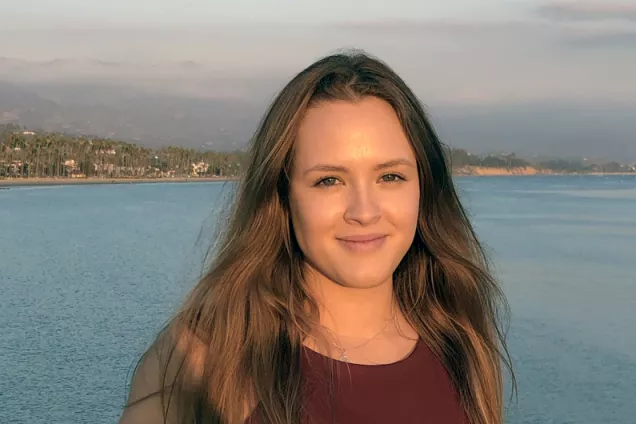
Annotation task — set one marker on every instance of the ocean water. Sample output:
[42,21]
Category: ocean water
[88,274]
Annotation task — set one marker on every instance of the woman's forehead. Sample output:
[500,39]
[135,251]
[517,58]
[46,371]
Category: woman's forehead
[344,132]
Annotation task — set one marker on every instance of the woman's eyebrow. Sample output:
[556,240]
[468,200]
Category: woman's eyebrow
[395,162]
[337,168]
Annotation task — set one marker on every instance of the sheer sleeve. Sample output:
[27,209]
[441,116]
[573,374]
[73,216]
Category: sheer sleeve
[144,404]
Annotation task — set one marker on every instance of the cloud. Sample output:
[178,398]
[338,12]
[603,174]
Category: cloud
[498,62]
[588,11]
[444,61]
[608,40]
[529,85]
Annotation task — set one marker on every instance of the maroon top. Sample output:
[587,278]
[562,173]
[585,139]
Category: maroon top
[416,389]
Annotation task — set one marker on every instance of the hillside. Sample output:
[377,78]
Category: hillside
[185,104]
[126,114]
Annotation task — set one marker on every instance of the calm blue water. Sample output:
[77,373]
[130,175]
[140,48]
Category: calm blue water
[89,273]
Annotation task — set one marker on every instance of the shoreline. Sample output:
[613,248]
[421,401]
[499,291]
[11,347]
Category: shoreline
[523,171]
[26,182]
[63,181]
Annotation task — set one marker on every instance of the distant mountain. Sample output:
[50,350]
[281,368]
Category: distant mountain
[190,104]
[544,128]
[126,114]
[186,78]
[26,107]
[73,68]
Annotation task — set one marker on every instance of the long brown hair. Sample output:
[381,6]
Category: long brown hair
[236,340]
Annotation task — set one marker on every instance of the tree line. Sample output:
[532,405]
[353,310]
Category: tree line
[27,154]
[460,158]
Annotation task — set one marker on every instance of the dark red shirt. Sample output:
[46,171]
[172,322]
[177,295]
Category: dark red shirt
[415,390]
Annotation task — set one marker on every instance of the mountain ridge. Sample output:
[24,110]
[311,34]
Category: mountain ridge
[155,118]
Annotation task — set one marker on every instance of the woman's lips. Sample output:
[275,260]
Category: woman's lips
[363,243]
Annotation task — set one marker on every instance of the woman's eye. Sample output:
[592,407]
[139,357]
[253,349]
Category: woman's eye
[328,181]
[390,178]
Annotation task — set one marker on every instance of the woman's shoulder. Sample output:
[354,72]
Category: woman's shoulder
[155,373]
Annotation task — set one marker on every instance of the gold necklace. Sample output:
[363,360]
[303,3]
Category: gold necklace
[343,352]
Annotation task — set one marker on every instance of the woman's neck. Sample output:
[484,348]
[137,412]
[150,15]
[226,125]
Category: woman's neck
[353,312]
[361,326]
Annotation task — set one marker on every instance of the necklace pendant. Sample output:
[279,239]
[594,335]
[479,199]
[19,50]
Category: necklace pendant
[344,358]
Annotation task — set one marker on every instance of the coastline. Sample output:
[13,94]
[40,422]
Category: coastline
[482,171]
[25,182]
[470,171]
[473,171]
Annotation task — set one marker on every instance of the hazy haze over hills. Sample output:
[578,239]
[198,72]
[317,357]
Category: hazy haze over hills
[544,78]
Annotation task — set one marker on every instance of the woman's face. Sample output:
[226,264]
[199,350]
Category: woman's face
[354,191]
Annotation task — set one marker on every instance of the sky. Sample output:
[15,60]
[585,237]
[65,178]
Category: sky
[149,12]
[474,53]
[453,50]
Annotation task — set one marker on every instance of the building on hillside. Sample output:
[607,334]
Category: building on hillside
[199,169]
[107,152]
[15,168]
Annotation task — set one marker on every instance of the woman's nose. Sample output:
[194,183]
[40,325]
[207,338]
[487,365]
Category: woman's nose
[362,206]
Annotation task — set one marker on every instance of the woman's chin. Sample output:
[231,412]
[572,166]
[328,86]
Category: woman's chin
[365,281]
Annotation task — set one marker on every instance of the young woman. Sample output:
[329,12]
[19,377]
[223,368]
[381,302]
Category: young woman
[349,286]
